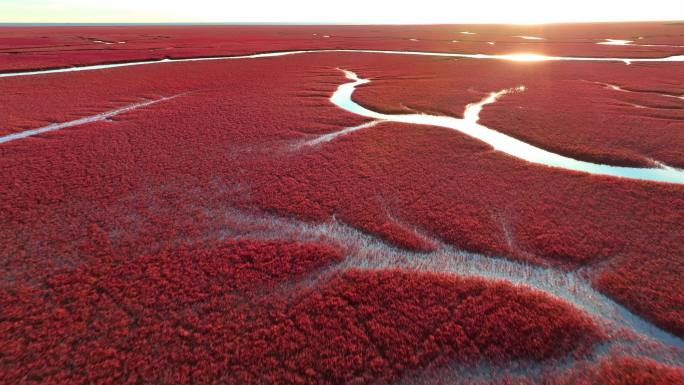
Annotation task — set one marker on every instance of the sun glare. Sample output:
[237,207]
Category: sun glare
[526,57]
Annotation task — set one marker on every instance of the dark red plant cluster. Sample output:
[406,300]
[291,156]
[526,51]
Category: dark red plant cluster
[623,370]
[23,48]
[635,280]
[633,371]
[154,318]
[611,369]
[189,317]
[616,369]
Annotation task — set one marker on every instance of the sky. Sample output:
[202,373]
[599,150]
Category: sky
[348,11]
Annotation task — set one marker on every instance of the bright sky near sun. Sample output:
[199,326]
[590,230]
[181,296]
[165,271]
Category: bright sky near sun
[348,11]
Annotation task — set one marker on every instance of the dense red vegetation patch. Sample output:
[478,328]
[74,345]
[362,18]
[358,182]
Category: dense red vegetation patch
[47,47]
[155,318]
[633,371]
[637,280]
[624,371]
[610,369]
[176,318]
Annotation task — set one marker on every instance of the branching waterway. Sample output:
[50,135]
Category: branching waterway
[631,333]
[499,141]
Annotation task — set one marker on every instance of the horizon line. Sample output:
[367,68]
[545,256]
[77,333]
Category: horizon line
[321,23]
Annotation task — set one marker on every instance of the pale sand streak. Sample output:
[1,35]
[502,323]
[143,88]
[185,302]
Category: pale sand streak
[78,122]
[333,135]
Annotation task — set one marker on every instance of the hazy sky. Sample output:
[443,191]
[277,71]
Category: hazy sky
[350,11]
